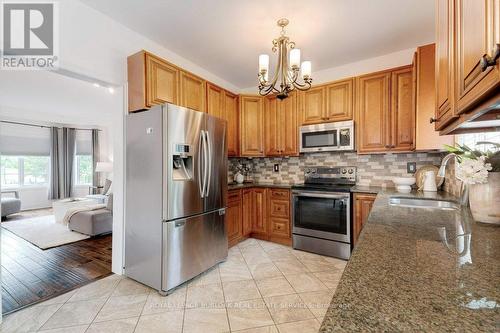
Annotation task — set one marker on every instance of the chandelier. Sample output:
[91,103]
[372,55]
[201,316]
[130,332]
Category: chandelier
[286,76]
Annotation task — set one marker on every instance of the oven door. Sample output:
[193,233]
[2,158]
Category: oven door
[322,214]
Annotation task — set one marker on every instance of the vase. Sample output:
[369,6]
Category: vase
[239,178]
[484,200]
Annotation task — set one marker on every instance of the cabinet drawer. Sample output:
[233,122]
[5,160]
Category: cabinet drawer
[280,194]
[279,208]
[280,227]
[234,195]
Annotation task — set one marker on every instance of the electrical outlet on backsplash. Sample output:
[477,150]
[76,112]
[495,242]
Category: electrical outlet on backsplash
[374,169]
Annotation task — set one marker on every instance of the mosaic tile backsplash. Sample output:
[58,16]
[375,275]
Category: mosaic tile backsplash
[374,170]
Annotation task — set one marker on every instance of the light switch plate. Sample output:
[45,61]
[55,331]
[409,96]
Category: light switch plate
[411,167]
[276,168]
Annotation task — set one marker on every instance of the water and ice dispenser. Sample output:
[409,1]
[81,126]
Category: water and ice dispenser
[182,160]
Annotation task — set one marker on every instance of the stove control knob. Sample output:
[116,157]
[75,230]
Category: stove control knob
[308,171]
[351,171]
[344,171]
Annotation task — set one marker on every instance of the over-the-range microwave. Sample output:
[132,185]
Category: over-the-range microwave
[327,137]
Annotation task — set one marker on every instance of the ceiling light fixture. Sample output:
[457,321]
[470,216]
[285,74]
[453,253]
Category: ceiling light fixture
[287,68]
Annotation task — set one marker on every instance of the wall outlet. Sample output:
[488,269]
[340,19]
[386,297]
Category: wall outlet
[276,168]
[411,167]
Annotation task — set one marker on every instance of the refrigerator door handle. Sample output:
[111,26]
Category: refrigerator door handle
[205,158]
[200,166]
[209,180]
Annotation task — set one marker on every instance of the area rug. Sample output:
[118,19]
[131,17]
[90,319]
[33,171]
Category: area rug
[43,231]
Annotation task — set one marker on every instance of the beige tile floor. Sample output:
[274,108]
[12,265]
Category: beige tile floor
[262,288]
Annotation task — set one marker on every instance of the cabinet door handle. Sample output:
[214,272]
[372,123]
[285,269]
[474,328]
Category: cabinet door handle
[487,61]
[387,146]
[393,146]
[433,120]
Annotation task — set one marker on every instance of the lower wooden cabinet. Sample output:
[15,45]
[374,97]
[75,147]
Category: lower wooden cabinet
[234,217]
[362,206]
[263,213]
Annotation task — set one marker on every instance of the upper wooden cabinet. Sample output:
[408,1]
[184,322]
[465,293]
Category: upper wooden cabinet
[193,90]
[231,114]
[477,34]
[402,110]
[151,81]
[444,63]
[328,103]
[425,98]
[373,118]
[386,111]
[340,100]
[467,31]
[281,131]
[251,126]
[215,100]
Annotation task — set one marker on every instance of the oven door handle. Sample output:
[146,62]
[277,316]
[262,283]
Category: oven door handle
[321,195]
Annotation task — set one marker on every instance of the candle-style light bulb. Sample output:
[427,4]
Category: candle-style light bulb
[263,63]
[295,58]
[306,69]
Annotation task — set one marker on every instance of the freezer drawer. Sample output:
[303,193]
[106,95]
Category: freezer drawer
[191,246]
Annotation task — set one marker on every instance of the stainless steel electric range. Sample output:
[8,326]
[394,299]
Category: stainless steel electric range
[322,211]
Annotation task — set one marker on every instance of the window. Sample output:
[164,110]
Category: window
[17,171]
[83,170]
[471,140]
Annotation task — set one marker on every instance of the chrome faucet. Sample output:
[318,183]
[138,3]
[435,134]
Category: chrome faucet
[464,197]
[442,169]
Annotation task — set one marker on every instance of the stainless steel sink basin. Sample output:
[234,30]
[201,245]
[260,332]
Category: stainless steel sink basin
[423,203]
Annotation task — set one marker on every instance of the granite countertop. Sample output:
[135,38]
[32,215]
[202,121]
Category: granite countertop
[235,186]
[402,275]
[366,189]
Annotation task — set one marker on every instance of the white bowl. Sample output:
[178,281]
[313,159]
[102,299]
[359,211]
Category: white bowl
[403,188]
[408,181]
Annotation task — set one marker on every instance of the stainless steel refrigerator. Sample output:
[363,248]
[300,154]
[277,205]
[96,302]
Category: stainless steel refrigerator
[176,183]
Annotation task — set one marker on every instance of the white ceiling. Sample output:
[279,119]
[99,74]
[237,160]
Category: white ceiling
[46,97]
[225,37]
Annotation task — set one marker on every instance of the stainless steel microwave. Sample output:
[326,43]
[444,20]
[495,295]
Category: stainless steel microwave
[327,137]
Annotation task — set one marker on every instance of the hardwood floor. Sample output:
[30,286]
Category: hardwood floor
[31,275]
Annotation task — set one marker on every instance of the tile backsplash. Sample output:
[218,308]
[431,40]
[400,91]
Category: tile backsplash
[374,169]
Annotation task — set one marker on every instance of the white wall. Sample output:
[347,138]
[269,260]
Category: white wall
[395,59]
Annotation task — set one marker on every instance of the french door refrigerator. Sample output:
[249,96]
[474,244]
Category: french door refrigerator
[176,184]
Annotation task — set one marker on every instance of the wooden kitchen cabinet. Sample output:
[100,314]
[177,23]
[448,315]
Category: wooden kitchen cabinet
[279,216]
[193,91]
[281,130]
[373,122]
[445,20]
[234,217]
[247,212]
[151,81]
[231,114]
[363,204]
[215,101]
[467,91]
[402,110]
[313,106]
[340,100]
[251,126]
[265,214]
[477,33]
[259,219]
[328,103]
[386,111]
[425,98]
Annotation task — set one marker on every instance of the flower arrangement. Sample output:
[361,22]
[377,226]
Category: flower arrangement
[473,171]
